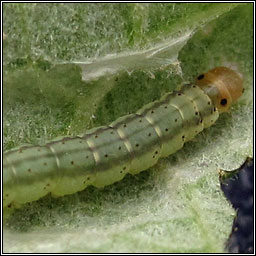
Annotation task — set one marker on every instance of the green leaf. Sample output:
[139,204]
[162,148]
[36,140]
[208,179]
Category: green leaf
[72,66]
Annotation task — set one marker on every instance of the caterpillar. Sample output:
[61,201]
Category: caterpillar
[131,144]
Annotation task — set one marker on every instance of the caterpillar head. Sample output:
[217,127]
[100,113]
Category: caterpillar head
[223,85]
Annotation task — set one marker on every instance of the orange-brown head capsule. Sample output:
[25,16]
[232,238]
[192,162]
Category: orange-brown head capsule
[222,85]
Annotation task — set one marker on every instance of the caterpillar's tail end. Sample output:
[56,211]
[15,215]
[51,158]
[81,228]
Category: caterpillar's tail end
[223,85]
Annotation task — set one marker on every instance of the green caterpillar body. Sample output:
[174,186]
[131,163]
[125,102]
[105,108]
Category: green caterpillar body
[106,154]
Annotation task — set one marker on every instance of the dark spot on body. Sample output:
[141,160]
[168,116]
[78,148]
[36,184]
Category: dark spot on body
[140,120]
[38,149]
[45,163]
[124,168]
[119,148]
[200,77]
[214,109]
[112,132]
[63,142]
[6,195]
[87,157]
[176,120]
[243,90]
[223,102]
[29,170]
[88,178]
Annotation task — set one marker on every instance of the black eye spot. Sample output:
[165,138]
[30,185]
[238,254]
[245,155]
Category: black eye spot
[87,157]
[201,120]
[80,141]
[137,145]
[176,120]
[165,107]
[124,168]
[140,121]
[106,155]
[152,112]
[200,77]
[72,162]
[196,113]
[166,130]
[183,137]
[29,170]
[88,178]
[119,148]
[243,90]
[194,86]
[156,152]
[223,102]
[149,134]
[124,125]
[179,94]
[209,103]
[214,109]
[96,136]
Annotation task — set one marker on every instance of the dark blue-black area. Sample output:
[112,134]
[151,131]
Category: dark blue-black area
[239,190]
